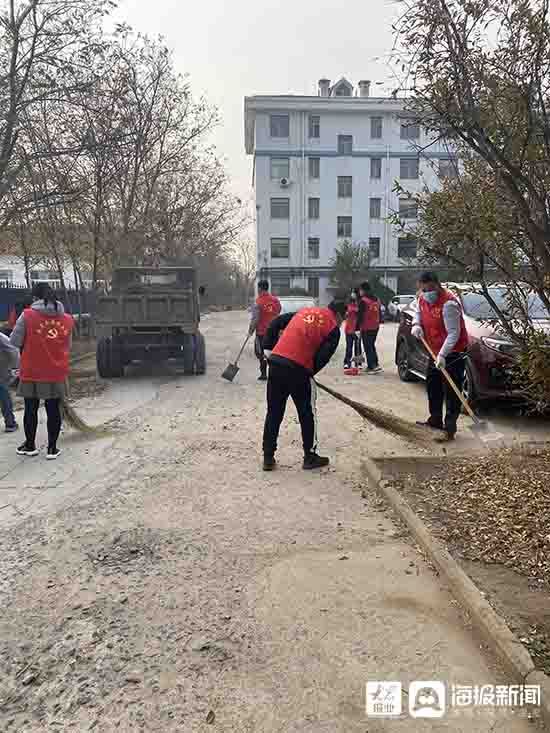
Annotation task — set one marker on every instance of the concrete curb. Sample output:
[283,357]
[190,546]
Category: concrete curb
[491,627]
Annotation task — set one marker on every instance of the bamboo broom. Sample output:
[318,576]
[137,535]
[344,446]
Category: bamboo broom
[73,419]
[383,420]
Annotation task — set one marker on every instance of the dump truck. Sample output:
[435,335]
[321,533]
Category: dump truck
[150,314]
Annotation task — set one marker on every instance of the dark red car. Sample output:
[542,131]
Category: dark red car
[490,358]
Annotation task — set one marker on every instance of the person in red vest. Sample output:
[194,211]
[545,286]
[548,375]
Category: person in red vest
[353,342]
[439,320]
[266,308]
[43,333]
[12,318]
[368,324]
[299,345]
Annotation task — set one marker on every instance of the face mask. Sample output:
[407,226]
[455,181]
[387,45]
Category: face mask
[430,296]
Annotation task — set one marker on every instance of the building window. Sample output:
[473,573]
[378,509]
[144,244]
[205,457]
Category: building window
[406,248]
[374,247]
[408,168]
[279,125]
[6,276]
[313,286]
[345,187]
[313,248]
[376,167]
[448,169]
[375,208]
[280,248]
[313,208]
[410,131]
[37,275]
[280,208]
[376,128]
[280,284]
[345,144]
[314,127]
[408,209]
[280,168]
[344,226]
[314,168]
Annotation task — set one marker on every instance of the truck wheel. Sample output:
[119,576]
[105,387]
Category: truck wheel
[115,359]
[102,359]
[200,354]
[188,353]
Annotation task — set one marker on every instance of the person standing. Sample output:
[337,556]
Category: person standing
[353,342]
[9,360]
[299,345]
[43,332]
[266,308]
[440,321]
[368,324]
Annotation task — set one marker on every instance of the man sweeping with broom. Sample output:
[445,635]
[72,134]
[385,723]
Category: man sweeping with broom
[299,345]
[43,333]
[440,323]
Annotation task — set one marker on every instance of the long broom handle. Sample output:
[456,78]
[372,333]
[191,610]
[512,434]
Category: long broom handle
[449,379]
[242,349]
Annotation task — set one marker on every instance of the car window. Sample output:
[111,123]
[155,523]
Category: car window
[477,306]
[406,299]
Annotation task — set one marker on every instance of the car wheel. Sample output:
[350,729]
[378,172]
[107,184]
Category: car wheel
[468,387]
[405,374]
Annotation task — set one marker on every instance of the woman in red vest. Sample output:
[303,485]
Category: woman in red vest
[43,333]
[368,324]
[353,342]
[440,321]
[266,308]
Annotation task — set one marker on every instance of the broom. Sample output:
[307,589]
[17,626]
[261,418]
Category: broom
[384,420]
[73,419]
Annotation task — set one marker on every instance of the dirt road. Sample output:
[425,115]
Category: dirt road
[157,580]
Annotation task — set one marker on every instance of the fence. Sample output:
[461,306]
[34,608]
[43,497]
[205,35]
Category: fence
[18,297]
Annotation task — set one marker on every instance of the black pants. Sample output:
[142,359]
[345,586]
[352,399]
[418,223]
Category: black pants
[369,342]
[440,391]
[353,347]
[284,382]
[259,351]
[30,421]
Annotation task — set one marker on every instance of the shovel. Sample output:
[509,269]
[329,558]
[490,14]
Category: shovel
[486,432]
[231,370]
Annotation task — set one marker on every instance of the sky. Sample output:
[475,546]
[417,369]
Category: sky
[244,47]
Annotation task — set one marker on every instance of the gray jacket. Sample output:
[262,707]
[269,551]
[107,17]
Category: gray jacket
[9,359]
[17,337]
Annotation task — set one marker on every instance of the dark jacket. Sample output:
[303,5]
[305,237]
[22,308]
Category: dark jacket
[322,357]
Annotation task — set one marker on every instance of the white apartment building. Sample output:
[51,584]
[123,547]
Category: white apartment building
[324,171]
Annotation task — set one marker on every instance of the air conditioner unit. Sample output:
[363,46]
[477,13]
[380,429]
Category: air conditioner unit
[285,183]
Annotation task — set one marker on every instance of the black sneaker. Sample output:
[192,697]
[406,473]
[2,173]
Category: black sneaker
[53,453]
[445,437]
[432,424]
[312,460]
[24,450]
[11,428]
[262,378]
[270,464]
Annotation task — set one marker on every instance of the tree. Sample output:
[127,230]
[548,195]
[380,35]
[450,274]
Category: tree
[350,266]
[478,72]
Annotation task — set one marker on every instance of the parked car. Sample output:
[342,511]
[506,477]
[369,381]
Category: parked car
[397,304]
[491,357]
[293,303]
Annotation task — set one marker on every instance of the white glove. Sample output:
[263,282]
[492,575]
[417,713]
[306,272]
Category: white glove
[440,362]
[267,353]
[417,332]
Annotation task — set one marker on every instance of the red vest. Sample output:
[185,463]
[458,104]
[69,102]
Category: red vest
[303,336]
[270,307]
[371,315]
[45,355]
[431,318]
[351,318]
